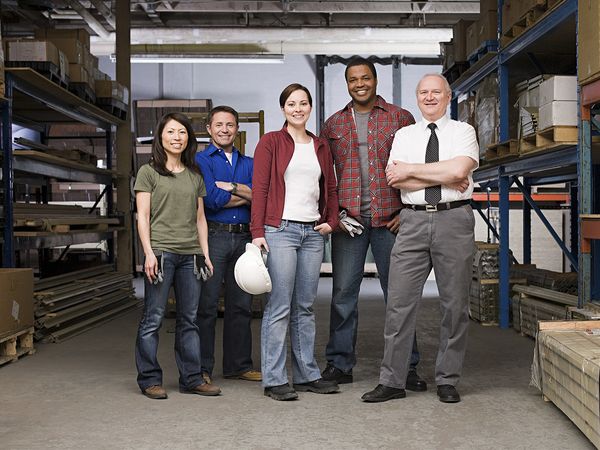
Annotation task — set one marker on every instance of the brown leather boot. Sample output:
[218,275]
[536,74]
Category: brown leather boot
[155,392]
[203,389]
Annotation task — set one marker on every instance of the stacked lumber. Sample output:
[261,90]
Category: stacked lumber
[533,304]
[59,218]
[556,281]
[74,154]
[589,311]
[484,295]
[566,368]
[69,304]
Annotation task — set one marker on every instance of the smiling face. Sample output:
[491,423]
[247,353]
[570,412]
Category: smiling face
[362,87]
[223,130]
[174,138]
[433,97]
[296,108]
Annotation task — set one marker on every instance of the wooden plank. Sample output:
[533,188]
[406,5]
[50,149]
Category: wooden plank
[547,294]
[571,325]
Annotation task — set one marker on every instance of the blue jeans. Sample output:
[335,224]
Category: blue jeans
[179,271]
[294,263]
[348,255]
[224,249]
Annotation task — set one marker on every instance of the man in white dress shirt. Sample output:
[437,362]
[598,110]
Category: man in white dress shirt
[432,163]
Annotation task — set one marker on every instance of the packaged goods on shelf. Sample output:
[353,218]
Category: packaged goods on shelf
[588,42]
[487,113]
[78,34]
[558,113]
[459,39]
[466,110]
[447,54]
[528,104]
[112,89]
[482,30]
[29,51]
[16,300]
[149,112]
[558,88]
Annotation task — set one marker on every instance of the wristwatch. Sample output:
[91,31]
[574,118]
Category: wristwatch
[233,187]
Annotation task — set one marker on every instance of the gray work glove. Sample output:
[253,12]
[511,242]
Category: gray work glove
[350,224]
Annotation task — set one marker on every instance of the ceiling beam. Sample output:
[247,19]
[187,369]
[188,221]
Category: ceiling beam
[105,12]
[329,7]
[93,23]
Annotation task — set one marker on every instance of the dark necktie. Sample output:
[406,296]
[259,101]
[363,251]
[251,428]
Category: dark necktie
[433,194]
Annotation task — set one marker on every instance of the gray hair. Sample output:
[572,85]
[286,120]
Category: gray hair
[438,75]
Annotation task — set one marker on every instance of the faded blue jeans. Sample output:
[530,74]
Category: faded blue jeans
[179,271]
[294,263]
[348,255]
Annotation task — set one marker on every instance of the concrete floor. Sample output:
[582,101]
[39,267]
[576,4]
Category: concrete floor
[81,394]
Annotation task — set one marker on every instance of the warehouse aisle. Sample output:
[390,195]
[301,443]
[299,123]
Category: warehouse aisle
[82,394]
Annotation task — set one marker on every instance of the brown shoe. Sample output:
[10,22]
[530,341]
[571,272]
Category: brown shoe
[206,377]
[203,389]
[155,392]
[248,375]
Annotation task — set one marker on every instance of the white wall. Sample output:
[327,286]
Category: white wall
[251,87]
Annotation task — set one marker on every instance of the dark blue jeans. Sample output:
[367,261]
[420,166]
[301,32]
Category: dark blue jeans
[179,271]
[224,249]
[348,255]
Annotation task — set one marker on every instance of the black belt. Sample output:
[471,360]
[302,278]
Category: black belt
[299,222]
[231,227]
[440,206]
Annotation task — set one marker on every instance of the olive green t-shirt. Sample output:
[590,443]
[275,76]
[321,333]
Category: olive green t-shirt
[173,208]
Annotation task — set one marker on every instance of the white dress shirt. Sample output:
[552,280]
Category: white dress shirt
[455,139]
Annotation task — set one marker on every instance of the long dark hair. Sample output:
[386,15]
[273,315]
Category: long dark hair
[159,156]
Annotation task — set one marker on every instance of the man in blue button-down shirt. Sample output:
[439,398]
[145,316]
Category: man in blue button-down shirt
[228,180]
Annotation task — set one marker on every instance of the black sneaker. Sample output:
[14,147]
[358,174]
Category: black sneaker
[382,394]
[283,392]
[319,386]
[332,373]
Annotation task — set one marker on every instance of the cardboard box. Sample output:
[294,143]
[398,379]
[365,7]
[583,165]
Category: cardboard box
[459,38]
[514,10]
[16,300]
[484,29]
[557,113]
[28,50]
[112,89]
[78,74]
[72,49]
[559,87]
[78,34]
[488,5]
[588,41]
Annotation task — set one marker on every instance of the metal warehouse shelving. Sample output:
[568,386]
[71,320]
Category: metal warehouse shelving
[35,102]
[525,56]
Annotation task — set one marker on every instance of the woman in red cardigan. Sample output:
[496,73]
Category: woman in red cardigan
[294,206]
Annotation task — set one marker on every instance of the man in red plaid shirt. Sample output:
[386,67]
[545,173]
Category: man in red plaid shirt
[360,136]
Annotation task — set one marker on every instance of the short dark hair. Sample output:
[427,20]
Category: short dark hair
[223,108]
[159,156]
[360,61]
[293,88]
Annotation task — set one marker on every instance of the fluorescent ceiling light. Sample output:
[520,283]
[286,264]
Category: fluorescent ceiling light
[207,59]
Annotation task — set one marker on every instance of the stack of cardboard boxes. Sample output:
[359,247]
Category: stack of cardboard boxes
[484,29]
[588,56]
[558,102]
[16,313]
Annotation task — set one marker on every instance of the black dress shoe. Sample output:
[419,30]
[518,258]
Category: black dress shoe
[448,393]
[414,382]
[282,392]
[332,373]
[319,386]
[382,394]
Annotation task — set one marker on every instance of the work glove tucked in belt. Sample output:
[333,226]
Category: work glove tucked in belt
[350,224]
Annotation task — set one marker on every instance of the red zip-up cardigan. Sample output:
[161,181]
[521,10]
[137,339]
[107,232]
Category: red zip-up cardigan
[271,158]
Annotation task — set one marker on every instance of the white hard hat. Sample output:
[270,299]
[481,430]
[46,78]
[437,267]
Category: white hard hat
[250,271]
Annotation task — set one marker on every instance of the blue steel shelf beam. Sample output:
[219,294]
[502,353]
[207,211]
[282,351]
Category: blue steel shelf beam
[8,255]
[548,225]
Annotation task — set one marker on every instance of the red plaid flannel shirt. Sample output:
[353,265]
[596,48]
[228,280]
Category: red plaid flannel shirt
[340,131]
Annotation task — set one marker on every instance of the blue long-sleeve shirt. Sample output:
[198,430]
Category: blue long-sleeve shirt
[215,166]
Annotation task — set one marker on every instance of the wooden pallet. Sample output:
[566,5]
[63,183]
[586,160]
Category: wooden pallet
[83,91]
[15,345]
[505,148]
[65,224]
[46,68]
[490,46]
[454,72]
[113,106]
[553,138]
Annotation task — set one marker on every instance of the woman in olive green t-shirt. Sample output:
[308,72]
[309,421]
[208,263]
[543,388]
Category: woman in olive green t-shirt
[174,236]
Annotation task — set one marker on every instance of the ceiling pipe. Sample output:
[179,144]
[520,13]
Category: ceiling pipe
[89,19]
[105,11]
